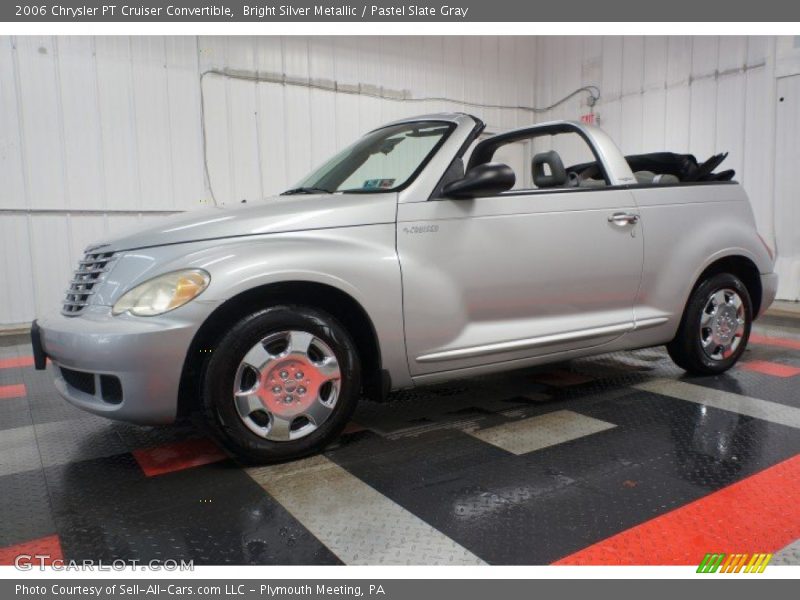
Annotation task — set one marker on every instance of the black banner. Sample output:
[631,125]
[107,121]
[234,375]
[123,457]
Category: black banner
[395,589]
[382,10]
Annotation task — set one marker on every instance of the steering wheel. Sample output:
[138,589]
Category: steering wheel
[589,172]
[573,179]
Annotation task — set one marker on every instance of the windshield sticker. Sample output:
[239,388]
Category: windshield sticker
[378,184]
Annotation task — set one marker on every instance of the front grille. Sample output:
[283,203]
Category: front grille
[89,273]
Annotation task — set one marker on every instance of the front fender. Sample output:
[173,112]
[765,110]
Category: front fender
[359,261]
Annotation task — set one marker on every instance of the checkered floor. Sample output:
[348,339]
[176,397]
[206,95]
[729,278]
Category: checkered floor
[618,459]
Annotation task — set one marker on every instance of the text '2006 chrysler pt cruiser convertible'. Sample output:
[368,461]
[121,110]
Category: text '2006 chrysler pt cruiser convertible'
[416,255]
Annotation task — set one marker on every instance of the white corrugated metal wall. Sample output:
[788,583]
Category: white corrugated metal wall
[262,137]
[701,95]
[98,134]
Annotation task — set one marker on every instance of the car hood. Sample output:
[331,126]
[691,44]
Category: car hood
[278,214]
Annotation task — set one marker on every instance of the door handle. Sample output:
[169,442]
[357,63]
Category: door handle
[622,219]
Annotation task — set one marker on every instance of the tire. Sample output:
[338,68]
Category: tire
[704,344]
[265,400]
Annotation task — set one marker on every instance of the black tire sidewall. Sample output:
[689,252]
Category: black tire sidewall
[692,342]
[218,377]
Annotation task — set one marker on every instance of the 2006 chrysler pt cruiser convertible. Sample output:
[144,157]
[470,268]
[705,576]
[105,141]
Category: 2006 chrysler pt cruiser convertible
[416,255]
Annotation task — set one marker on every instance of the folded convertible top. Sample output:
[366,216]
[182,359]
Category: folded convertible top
[683,166]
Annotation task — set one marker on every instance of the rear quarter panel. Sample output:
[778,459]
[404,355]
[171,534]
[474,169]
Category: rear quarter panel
[687,228]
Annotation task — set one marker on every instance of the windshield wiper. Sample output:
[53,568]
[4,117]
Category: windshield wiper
[306,190]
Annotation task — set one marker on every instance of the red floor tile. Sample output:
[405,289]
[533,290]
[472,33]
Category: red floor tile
[19,361]
[770,368]
[760,513]
[775,341]
[49,546]
[13,391]
[178,456]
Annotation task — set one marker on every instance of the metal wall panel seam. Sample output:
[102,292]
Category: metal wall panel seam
[201,130]
[134,127]
[229,130]
[773,124]
[691,94]
[20,121]
[170,141]
[746,77]
[100,139]
[62,142]
[25,167]
[62,146]
[257,104]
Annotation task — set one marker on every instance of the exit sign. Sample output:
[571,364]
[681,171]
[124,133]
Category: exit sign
[589,119]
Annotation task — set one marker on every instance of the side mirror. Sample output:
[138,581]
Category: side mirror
[488,179]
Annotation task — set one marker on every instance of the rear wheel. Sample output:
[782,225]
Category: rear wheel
[282,383]
[715,327]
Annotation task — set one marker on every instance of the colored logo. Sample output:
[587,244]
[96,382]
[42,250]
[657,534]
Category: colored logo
[734,563]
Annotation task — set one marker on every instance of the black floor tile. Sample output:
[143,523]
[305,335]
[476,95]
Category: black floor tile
[529,509]
[215,514]
[24,508]
[538,507]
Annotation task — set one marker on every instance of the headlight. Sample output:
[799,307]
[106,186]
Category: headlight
[163,293]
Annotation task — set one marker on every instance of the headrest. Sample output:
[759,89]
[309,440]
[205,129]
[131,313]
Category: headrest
[557,176]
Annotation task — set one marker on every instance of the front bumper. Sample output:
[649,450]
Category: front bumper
[769,288]
[145,355]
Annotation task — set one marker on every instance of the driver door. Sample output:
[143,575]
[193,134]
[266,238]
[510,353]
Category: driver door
[520,275]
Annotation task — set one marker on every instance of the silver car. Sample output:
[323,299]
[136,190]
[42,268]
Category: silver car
[414,256]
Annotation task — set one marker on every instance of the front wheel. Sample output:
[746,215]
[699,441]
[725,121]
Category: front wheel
[715,327]
[281,384]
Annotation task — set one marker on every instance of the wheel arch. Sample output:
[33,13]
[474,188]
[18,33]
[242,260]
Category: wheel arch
[339,304]
[742,267]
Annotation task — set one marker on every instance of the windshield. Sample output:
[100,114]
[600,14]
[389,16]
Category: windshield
[384,160]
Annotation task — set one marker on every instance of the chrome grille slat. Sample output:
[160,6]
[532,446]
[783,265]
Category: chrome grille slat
[91,270]
[85,273]
[90,266]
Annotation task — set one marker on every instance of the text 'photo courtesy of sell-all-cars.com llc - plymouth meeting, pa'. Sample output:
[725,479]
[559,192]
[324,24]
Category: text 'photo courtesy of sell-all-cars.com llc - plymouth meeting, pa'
[414,256]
